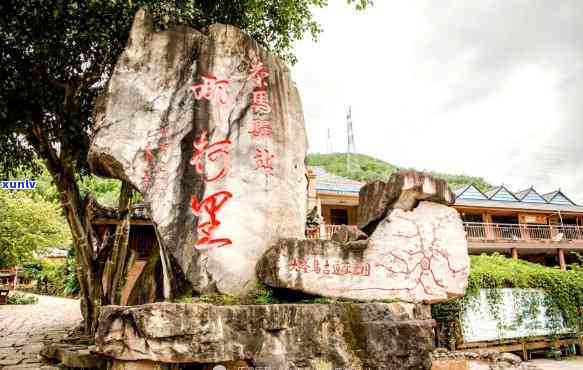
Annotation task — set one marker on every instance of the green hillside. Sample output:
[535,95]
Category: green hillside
[366,168]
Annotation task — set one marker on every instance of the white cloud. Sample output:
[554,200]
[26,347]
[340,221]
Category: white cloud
[486,88]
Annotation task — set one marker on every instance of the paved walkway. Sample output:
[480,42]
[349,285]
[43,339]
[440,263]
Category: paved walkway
[23,328]
[567,364]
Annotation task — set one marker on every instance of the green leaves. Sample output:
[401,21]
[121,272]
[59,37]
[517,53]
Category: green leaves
[365,168]
[27,227]
[54,52]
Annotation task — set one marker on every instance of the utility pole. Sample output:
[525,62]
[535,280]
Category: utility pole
[330,149]
[349,138]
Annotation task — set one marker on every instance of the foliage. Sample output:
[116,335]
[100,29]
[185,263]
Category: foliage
[71,284]
[362,167]
[56,278]
[264,295]
[21,298]
[218,299]
[457,181]
[576,265]
[57,54]
[28,226]
[365,168]
[563,290]
[105,190]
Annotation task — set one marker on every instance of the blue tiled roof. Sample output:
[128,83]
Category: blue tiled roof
[327,182]
[529,198]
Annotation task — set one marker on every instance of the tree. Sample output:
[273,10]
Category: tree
[56,56]
[28,227]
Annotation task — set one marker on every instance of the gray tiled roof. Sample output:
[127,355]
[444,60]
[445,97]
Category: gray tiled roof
[461,189]
[518,205]
[521,194]
[327,182]
[492,191]
[551,195]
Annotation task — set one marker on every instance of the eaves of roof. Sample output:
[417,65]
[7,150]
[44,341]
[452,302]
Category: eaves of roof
[518,205]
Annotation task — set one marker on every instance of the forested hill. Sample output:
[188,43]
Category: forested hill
[366,168]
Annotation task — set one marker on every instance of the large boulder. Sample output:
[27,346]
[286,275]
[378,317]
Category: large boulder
[208,126]
[414,256]
[286,336]
[404,190]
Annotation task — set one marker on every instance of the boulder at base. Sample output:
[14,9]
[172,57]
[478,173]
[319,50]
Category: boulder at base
[404,190]
[208,126]
[285,336]
[417,255]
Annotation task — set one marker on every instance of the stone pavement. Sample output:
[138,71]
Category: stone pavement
[567,364]
[23,328]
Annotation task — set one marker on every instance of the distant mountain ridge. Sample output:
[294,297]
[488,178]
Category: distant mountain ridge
[366,168]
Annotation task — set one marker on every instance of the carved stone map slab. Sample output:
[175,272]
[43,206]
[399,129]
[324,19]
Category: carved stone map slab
[417,253]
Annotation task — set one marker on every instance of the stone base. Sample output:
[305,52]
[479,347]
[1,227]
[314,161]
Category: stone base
[286,336]
[73,356]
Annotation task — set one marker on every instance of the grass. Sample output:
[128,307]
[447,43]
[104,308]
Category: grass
[366,168]
[262,295]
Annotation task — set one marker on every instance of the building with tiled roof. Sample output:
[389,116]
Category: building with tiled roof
[335,197]
[334,184]
[543,228]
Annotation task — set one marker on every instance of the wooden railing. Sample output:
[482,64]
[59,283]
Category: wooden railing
[323,231]
[485,231]
[515,232]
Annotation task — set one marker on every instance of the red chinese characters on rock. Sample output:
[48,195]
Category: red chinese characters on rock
[156,162]
[258,72]
[260,102]
[263,160]
[212,89]
[354,269]
[203,150]
[260,127]
[206,211]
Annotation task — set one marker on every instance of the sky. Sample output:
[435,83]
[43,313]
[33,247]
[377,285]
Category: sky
[483,88]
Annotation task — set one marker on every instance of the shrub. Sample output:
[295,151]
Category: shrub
[21,298]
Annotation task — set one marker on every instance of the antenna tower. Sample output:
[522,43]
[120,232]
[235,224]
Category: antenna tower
[349,137]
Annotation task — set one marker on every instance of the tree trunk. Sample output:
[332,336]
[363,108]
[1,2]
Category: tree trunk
[91,252]
[118,273]
[86,265]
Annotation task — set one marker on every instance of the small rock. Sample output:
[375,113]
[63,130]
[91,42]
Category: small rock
[11,361]
[510,358]
[472,355]
[345,234]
